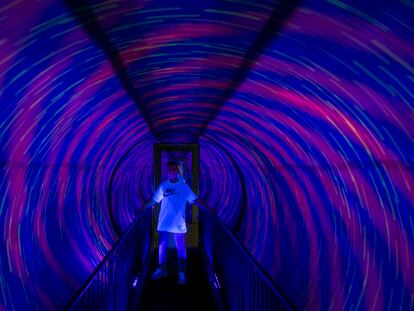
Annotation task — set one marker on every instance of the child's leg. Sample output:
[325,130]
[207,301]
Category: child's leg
[162,248]
[181,251]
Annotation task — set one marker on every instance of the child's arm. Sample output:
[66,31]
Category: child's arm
[153,201]
[201,204]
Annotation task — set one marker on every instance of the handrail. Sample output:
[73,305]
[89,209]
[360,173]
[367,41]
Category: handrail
[220,245]
[110,264]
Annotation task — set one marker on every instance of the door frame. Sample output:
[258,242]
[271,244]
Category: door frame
[192,229]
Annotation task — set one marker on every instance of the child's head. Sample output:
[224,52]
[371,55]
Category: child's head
[172,169]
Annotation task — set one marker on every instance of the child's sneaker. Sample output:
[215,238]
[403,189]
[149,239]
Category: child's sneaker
[181,278]
[159,273]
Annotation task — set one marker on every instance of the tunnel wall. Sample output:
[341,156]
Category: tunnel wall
[309,158]
[65,122]
[322,131]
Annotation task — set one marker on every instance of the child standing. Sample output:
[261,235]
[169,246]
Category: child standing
[173,194]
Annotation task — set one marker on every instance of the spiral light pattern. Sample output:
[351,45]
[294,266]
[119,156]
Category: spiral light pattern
[304,112]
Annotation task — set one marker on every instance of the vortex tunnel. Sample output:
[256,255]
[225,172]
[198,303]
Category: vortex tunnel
[303,111]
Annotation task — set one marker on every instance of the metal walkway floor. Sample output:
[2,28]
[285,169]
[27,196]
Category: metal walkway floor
[167,294]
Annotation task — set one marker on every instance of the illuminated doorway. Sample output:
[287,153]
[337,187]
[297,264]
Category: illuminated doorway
[187,155]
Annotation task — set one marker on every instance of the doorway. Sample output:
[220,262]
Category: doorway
[187,155]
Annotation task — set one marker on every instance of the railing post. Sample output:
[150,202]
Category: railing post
[111,283]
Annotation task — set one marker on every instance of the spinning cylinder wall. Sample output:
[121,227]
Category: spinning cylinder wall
[304,116]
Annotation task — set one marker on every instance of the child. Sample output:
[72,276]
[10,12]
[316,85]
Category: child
[174,193]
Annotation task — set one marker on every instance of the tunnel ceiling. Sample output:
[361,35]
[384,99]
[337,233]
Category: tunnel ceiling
[181,63]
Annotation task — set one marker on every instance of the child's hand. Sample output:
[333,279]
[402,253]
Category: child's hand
[150,204]
[202,204]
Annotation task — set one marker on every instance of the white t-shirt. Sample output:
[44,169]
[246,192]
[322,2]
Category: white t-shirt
[173,197]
